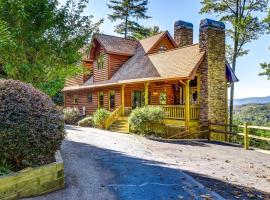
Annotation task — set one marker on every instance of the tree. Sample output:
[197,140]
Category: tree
[243,27]
[266,66]
[45,39]
[145,32]
[4,41]
[126,11]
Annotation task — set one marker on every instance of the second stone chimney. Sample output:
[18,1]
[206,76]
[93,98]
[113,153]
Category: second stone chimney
[213,99]
[183,33]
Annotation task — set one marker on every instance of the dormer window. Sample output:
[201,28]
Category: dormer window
[162,49]
[100,61]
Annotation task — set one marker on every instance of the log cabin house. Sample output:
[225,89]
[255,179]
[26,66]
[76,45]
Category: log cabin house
[188,80]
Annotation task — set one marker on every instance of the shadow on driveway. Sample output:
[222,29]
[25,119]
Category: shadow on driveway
[94,173]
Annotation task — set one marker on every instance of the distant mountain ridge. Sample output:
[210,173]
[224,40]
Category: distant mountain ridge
[252,100]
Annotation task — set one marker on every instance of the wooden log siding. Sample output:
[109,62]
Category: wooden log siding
[76,80]
[92,107]
[156,88]
[101,74]
[129,89]
[115,63]
[165,42]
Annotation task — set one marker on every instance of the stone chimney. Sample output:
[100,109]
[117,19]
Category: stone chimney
[183,33]
[213,99]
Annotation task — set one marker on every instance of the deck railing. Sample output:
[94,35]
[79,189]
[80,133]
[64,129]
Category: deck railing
[113,117]
[194,112]
[246,134]
[174,111]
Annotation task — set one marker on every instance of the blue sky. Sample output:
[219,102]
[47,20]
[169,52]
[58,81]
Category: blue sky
[165,12]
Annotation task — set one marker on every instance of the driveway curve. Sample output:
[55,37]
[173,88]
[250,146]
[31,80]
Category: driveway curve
[101,165]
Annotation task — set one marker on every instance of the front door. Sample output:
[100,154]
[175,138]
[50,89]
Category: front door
[138,99]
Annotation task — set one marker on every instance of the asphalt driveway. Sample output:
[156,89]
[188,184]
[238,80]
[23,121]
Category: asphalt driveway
[101,165]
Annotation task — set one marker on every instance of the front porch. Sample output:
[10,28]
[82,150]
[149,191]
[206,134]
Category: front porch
[178,98]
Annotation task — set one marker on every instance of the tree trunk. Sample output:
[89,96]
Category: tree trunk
[232,93]
[126,27]
[236,41]
[126,20]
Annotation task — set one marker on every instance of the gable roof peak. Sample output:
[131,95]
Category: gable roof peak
[150,42]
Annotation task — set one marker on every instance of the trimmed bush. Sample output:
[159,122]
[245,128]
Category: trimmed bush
[31,127]
[72,116]
[100,117]
[143,119]
[86,122]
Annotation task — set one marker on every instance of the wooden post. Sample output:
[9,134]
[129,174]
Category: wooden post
[198,89]
[123,100]
[209,131]
[246,139]
[187,105]
[146,91]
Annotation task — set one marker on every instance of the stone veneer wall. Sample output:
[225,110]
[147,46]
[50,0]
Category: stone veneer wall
[213,73]
[183,33]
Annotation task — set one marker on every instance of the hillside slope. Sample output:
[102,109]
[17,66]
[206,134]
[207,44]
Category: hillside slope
[257,114]
[252,100]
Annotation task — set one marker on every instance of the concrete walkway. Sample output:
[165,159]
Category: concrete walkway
[101,165]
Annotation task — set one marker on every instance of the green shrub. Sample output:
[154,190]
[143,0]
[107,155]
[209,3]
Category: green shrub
[5,169]
[72,115]
[86,122]
[31,127]
[100,117]
[143,120]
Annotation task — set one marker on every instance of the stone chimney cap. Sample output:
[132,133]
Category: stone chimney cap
[209,23]
[183,24]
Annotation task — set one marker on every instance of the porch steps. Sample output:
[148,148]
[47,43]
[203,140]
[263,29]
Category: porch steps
[121,125]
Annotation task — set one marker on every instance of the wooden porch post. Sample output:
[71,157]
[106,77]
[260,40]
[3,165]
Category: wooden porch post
[146,91]
[187,105]
[123,99]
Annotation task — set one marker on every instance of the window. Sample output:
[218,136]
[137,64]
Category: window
[100,61]
[162,49]
[112,100]
[90,97]
[163,98]
[75,99]
[100,99]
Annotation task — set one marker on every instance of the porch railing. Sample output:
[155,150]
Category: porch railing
[194,112]
[174,111]
[113,117]
[178,112]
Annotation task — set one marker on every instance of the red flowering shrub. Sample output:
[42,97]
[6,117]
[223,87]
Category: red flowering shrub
[31,127]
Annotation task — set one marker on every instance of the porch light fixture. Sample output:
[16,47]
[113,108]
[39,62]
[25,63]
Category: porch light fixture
[155,93]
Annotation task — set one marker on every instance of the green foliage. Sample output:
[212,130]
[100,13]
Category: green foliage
[143,119]
[100,117]
[86,122]
[71,115]
[257,115]
[266,66]
[58,98]
[31,127]
[44,40]
[266,70]
[126,11]
[5,169]
[145,32]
